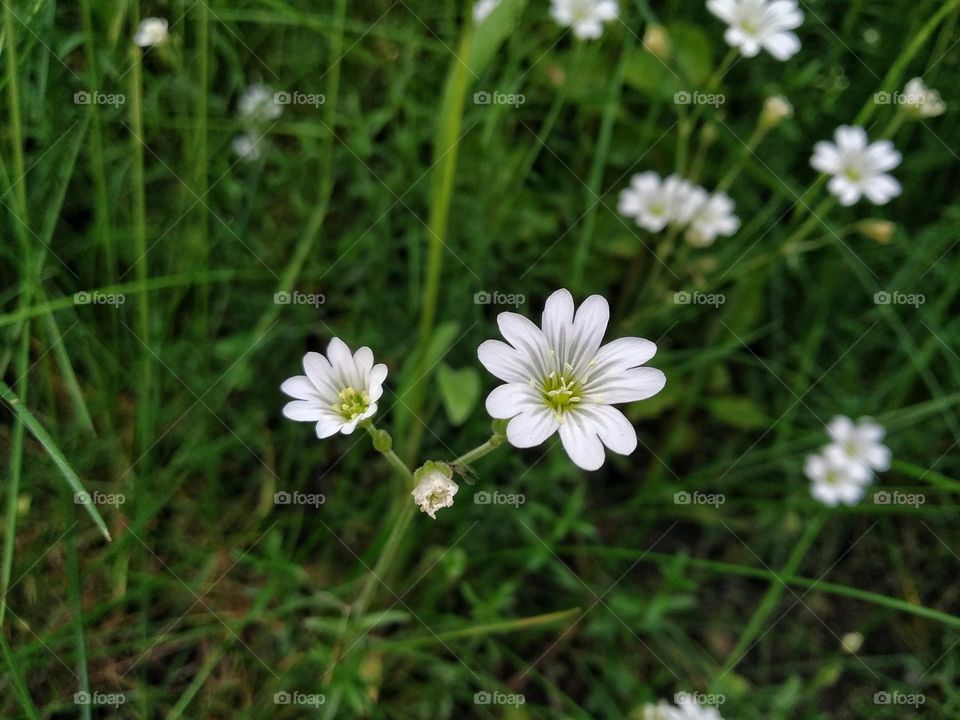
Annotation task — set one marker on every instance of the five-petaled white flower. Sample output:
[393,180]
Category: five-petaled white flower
[858,167]
[152,31]
[482,10]
[435,488]
[338,391]
[920,100]
[756,24]
[862,441]
[687,709]
[836,478]
[258,104]
[712,218]
[559,378]
[586,17]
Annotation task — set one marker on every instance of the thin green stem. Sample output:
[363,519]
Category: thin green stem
[478,452]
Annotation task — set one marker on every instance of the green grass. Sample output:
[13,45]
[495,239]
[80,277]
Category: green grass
[398,199]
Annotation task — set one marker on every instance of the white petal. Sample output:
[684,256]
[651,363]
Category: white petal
[300,387]
[612,426]
[303,411]
[883,156]
[329,424]
[841,429]
[882,189]
[846,192]
[342,361]
[826,157]
[626,386]
[531,427]
[363,360]
[724,9]
[851,138]
[320,372]
[557,317]
[581,441]
[503,361]
[622,354]
[509,400]
[782,45]
[589,325]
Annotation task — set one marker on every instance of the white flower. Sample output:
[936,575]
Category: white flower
[248,147]
[560,379]
[482,9]
[756,24]
[862,441]
[152,31]
[712,218]
[435,489]
[258,104]
[586,17]
[338,391]
[858,168]
[688,709]
[921,100]
[656,203]
[836,477]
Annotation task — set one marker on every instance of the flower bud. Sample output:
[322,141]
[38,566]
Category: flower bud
[776,109]
[382,442]
[879,230]
[657,41]
[435,487]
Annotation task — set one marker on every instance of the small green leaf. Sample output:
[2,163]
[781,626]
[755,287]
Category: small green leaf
[460,391]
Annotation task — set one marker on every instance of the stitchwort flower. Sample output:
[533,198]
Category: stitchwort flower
[862,441]
[559,379]
[920,101]
[435,488]
[858,167]
[586,17]
[760,24]
[836,478]
[338,391]
[152,31]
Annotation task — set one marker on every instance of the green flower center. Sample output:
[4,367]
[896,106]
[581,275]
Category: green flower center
[853,174]
[562,390]
[351,403]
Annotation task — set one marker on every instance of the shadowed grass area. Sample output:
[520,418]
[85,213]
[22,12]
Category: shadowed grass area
[425,175]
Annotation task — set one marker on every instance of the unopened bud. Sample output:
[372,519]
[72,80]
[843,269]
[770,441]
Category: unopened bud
[879,230]
[657,41]
[382,442]
[851,643]
[776,109]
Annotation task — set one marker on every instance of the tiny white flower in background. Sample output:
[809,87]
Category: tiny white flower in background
[586,17]
[482,9]
[338,391]
[435,490]
[858,167]
[258,104]
[248,147]
[689,709]
[713,218]
[654,203]
[152,31]
[835,477]
[921,100]
[862,441]
[760,24]
[559,378]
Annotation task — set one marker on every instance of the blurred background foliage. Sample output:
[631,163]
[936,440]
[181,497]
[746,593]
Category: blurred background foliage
[600,593]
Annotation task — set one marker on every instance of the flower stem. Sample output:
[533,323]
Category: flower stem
[495,441]
[383,444]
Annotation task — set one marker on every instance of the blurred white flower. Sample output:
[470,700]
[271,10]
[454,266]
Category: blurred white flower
[756,24]
[921,100]
[688,709]
[654,203]
[152,31]
[713,218]
[559,378]
[835,477]
[338,391]
[435,489]
[248,147]
[258,104]
[859,168]
[482,9]
[586,17]
[862,441]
